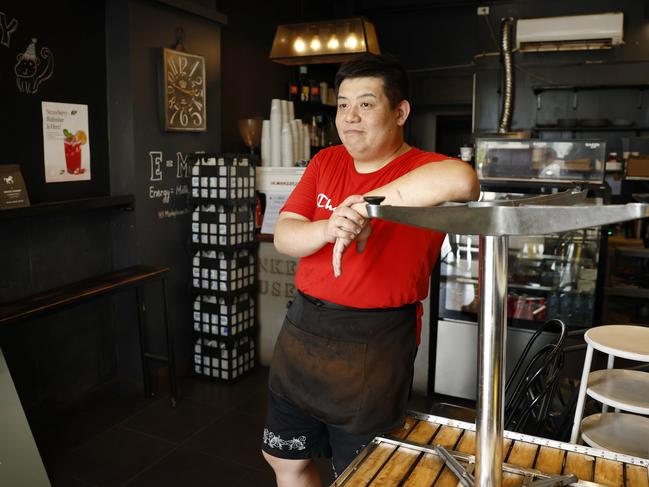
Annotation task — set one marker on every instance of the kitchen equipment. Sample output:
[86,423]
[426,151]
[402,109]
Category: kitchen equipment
[501,159]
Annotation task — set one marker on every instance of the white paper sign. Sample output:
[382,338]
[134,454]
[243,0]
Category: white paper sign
[66,142]
[274,202]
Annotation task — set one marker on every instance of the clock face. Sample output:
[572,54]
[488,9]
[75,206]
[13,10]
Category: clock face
[184,87]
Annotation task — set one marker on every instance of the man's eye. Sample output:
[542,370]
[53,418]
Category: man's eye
[366,104]
[342,106]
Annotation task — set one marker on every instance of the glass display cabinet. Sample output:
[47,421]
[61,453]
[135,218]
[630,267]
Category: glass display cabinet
[549,276]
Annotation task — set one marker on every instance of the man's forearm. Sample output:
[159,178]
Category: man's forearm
[298,238]
[429,185]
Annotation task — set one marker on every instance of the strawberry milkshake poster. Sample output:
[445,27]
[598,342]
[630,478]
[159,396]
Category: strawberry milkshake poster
[66,143]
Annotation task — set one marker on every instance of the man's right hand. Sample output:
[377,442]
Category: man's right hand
[342,244]
[345,222]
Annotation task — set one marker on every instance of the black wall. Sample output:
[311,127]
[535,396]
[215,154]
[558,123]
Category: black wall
[74,32]
[158,231]
[107,55]
[52,359]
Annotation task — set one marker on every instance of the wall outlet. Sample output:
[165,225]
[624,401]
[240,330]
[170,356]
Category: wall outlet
[484,10]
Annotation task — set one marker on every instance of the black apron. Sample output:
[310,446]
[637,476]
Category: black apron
[348,367]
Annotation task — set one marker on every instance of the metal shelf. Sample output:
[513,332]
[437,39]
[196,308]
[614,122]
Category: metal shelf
[581,128]
[468,280]
[542,88]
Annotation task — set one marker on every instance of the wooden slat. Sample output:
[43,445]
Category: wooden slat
[447,478]
[447,436]
[370,466]
[550,460]
[637,476]
[506,444]
[395,470]
[579,464]
[522,454]
[425,472]
[422,432]
[512,480]
[467,443]
[405,429]
[609,472]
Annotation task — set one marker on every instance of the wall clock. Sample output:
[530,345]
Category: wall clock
[184,91]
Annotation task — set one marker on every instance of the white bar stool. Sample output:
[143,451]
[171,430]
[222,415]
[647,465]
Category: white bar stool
[626,390]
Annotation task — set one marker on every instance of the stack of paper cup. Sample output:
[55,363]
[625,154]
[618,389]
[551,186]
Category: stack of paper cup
[276,133]
[287,146]
[285,117]
[295,136]
[306,143]
[299,149]
[291,111]
[265,143]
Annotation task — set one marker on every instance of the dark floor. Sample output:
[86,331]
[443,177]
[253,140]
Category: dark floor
[212,437]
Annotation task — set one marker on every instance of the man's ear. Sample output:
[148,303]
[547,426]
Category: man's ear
[402,111]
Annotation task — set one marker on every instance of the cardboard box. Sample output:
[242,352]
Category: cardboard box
[637,167]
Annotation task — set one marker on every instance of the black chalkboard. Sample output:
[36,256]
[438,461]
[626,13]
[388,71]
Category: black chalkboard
[65,63]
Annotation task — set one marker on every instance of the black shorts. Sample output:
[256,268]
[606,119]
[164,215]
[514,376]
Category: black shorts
[292,434]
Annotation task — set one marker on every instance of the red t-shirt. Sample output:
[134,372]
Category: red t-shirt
[394,269]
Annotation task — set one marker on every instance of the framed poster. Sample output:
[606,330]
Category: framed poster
[66,143]
[184,91]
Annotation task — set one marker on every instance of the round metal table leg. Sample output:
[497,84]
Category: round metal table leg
[491,347]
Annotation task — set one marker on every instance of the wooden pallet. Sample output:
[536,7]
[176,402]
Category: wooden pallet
[407,457]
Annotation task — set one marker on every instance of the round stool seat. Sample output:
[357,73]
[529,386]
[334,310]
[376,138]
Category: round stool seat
[622,433]
[626,341]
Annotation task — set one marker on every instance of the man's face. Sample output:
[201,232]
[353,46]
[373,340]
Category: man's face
[368,128]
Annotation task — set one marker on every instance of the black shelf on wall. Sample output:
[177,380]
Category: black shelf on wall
[577,128]
[542,88]
[125,202]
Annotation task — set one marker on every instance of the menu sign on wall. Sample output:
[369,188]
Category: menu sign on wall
[66,144]
[13,193]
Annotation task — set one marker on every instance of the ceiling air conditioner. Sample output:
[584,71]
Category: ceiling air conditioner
[573,33]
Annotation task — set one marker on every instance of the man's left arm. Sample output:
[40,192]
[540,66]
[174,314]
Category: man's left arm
[429,185]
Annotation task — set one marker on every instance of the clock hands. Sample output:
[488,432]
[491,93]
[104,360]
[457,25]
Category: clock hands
[185,90]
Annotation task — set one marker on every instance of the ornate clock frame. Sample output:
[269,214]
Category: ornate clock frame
[184,91]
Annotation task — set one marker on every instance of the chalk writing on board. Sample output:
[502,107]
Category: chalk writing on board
[182,170]
[156,170]
[169,183]
[31,70]
[6,29]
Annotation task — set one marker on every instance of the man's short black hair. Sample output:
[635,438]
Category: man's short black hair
[384,66]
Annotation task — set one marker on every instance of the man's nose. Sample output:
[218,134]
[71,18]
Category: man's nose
[352,114]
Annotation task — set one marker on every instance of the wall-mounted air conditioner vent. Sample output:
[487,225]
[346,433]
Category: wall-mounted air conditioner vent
[577,32]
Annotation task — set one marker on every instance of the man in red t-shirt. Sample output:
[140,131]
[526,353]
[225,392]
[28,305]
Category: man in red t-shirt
[343,363]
